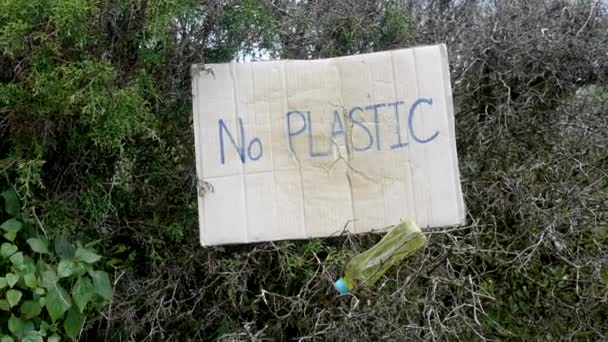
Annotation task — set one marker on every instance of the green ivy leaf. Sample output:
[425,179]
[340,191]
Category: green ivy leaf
[3,283]
[49,279]
[80,268]
[38,245]
[57,302]
[64,248]
[32,336]
[28,265]
[13,297]
[30,309]
[11,202]
[16,325]
[45,327]
[11,279]
[4,305]
[65,268]
[28,327]
[82,292]
[7,249]
[42,301]
[86,255]
[54,338]
[12,225]
[101,282]
[30,280]
[10,236]
[73,323]
[17,258]
[40,291]
[6,338]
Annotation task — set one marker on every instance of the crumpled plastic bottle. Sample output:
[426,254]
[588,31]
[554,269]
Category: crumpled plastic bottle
[366,268]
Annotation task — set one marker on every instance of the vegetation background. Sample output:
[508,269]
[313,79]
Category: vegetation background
[96,138]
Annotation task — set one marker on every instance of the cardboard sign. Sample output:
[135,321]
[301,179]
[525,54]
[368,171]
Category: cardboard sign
[300,149]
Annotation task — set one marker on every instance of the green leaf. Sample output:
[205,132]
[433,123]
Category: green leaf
[101,282]
[20,327]
[6,338]
[80,268]
[11,279]
[28,265]
[57,302]
[17,258]
[32,336]
[87,256]
[64,248]
[13,297]
[3,283]
[82,292]
[16,325]
[45,327]
[40,291]
[49,279]
[4,305]
[12,225]
[11,202]
[65,268]
[7,249]
[30,309]
[10,236]
[30,280]
[54,338]
[42,301]
[73,323]
[38,245]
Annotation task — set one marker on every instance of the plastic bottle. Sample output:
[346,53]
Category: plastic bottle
[367,267]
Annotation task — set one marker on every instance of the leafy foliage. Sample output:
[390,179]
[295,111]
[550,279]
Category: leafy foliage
[34,280]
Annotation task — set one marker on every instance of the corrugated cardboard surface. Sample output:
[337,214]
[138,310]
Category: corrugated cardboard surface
[300,149]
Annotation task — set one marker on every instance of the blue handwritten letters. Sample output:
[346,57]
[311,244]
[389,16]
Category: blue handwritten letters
[299,125]
[239,149]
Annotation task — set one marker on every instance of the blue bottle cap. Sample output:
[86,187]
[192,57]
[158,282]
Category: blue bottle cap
[341,286]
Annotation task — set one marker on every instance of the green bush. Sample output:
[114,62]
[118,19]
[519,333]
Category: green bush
[48,289]
[96,138]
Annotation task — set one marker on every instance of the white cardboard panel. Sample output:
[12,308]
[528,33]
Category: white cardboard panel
[300,149]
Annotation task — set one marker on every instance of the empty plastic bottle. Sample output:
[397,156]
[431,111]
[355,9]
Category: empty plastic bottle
[367,267]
